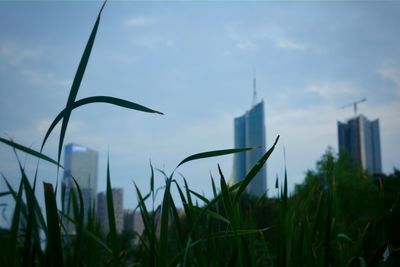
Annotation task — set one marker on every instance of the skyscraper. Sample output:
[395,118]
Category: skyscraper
[81,163]
[360,138]
[249,131]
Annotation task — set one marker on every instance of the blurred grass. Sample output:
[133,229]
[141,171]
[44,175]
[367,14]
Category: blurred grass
[335,218]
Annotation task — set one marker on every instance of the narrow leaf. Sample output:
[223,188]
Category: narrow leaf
[249,177]
[77,82]
[111,216]
[214,153]
[98,99]
[29,151]
[53,237]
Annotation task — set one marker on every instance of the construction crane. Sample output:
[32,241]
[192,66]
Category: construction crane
[354,104]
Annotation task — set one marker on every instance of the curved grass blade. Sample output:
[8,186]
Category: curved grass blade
[249,177]
[98,99]
[29,151]
[77,82]
[214,153]
[54,233]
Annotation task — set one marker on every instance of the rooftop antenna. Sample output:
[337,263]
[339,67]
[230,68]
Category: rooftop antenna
[354,104]
[254,88]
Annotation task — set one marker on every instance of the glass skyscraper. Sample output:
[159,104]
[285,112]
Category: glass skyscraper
[360,138]
[249,131]
[81,163]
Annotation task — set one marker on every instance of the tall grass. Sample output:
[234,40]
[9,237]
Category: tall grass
[303,230]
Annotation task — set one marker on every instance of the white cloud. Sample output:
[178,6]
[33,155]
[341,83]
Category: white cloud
[333,88]
[139,21]
[153,41]
[252,39]
[241,42]
[289,44]
[391,74]
[42,78]
[281,38]
[17,55]
[74,127]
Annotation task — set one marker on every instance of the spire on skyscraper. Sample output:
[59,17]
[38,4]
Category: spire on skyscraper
[254,89]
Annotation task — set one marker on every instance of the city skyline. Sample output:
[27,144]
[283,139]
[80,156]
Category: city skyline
[308,64]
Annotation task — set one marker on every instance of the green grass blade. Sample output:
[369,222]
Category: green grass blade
[15,226]
[175,216]
[214,153]
[166,205]
[79,224]
[111,216]
[148,228]
[77,82]
[252,173]
[98,99]
[53,224]
[226,198]
[238,232]
[189,198]
[152,183]
[31,233]
[29,151]
[2,194]
[97,240]
[204,199]
[214,215]
[214,188]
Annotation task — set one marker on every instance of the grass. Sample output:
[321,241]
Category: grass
[310,228]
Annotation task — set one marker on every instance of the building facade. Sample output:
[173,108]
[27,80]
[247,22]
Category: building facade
[81,163]
[361,139]
[249,131]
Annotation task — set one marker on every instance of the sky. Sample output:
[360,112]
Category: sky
[195,62]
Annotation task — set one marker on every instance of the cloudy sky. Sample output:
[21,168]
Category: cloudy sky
[194,61]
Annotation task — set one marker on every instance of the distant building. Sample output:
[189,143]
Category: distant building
[102,210]
[249,131]
[81,163]
[360,138]
[133,221]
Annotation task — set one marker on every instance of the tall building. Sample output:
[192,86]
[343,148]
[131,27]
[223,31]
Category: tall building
[102,210]
[81,163]
[360,138]
[249,131]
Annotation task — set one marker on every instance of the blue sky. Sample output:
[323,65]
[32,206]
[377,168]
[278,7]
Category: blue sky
[194,61]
